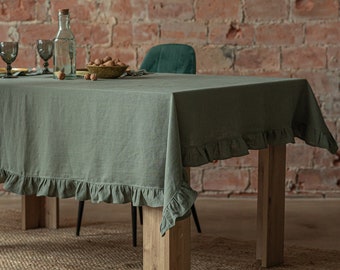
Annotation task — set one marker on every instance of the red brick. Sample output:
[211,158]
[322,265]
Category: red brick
[315,9]
[306,57]
[211,165]
[26,57]
[323,159]
[225,179]
[4,31]
[91,34]
[186,32]
[250,160]
[332,195]
[145,33]
[299,156]
[279,34]
[258,58]
[266,73]
[139,10]
[322,83]
[82,56]
[312,179]
[122,34]
[264,10]
[170,10]
[223,34]
[29,33]
[100,13]
[42,11]
[217,10]
[333,57]
[331,122]
[331,108]
[214,60]
[122,10]
[4,12]
[291,178]
[17,10]
[337,134]
[323,33]
[84,12]
[196,176]
[253,187]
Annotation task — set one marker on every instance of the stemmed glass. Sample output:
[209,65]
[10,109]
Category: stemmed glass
[9,52]
[45,50]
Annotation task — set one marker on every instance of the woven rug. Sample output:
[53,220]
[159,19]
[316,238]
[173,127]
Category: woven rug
[108,246]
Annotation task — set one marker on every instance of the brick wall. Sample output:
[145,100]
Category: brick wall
[290,38]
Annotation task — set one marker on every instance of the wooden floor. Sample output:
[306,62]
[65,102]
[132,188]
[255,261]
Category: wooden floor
[311,223]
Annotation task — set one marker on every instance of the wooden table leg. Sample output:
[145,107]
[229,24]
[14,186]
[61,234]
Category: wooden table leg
[271,205]
[39,212]
[169,252]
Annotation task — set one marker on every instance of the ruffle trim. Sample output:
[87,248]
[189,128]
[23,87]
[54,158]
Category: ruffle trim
[318,138]
[179,206]
[239,146]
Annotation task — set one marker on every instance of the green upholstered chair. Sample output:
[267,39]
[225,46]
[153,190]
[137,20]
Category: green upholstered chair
[163,58]
[170,58]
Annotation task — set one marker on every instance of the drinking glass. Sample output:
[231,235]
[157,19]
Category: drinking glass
[45,50]
[9,52]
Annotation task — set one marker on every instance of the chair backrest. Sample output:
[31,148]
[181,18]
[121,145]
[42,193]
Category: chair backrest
[170,58]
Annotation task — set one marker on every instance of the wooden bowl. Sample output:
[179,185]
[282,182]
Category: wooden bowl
[107,72]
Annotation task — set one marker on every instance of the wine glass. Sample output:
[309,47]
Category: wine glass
[9,52]
[45,50]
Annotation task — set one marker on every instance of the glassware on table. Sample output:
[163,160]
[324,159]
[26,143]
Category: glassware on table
[45,50]
[64,57]
[8,53]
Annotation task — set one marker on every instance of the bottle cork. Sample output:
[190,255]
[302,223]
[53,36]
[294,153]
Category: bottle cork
[63,11]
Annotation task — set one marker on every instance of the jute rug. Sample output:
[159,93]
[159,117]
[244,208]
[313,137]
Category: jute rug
[108,246]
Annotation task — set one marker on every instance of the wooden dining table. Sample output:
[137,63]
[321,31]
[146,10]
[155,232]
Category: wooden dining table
[134,139]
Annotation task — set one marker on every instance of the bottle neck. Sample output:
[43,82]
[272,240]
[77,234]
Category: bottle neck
[64,22]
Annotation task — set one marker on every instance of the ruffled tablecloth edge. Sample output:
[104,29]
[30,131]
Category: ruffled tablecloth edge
[178,207]
[238,146]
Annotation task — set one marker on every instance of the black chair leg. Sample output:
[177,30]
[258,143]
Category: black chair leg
[133,214]
[80,216]
[134,225]
[140,208]
[194,215]
[134,219]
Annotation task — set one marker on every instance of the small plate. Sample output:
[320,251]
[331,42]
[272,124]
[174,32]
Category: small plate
[14,70]
[81,72]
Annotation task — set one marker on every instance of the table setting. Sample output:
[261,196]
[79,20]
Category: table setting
[9,51]
[109,69]
[63,50]
[131,141]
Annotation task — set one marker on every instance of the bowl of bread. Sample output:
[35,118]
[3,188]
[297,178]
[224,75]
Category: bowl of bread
[107,67]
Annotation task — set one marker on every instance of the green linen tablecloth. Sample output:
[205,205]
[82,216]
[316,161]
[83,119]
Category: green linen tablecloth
[128,140]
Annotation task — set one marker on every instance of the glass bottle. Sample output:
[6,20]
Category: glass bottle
[64,56]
